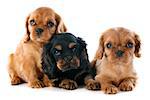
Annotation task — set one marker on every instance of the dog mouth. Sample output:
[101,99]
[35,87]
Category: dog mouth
[42,40]
[68,67]
[119,60]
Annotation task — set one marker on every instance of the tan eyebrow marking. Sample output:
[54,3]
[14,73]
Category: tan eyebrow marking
[71,45]
[58,47]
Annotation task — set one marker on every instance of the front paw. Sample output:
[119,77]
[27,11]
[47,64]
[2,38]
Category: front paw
[68,84]
[92,85]
[36,84]
[111,89]
[127,85]
[16,81]
[47,82]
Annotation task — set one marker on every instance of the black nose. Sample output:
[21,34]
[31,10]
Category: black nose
[68,58]
[39,31]
[119,53]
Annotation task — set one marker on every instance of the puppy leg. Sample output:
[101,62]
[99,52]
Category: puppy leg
[31,74]
[91,84]
[68,84]
[15,79]
[127,84]
[107,85]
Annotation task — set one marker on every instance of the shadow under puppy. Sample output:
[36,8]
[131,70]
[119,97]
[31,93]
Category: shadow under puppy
[25,63]
[114,60]
[65,61]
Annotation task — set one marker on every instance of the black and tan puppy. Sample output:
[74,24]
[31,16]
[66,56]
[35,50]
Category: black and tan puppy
[65,61]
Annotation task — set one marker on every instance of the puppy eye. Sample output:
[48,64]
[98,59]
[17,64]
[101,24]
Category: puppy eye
[109,45]
[50,24]
[32,22]
[129,45]
[74,48]
[57,52]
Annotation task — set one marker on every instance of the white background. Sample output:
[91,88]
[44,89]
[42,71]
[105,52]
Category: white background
[84,18]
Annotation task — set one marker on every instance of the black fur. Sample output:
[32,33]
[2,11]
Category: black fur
[49,59]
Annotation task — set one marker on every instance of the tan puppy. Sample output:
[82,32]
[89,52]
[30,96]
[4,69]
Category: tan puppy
[25,64]
[114,60]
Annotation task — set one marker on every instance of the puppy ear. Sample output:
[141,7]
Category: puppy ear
[100,51]
[137,46]
[81,42]
[27,35]
[48,62]
[82,49]
[84,60]
[60,24]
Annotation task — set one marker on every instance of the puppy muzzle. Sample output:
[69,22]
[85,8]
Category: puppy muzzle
[68,59]
[71,63]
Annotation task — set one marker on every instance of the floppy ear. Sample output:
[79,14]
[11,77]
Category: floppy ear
[82,49]
[137,45]
[27,35]
[85,63]
[99,52]
[60,24]
[48,62]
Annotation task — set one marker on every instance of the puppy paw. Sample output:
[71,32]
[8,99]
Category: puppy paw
[36,84]
[127,85]
[47,82]
[68,84]
[16,81]
[92,85]
[111,90]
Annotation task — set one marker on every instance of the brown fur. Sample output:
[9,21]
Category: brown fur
[25,64]
[61,63]
[58,47]
[72,45]
[68,84]
[116,73]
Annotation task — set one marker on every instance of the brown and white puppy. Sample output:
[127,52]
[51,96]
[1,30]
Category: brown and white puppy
[25,64]
[114,60]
